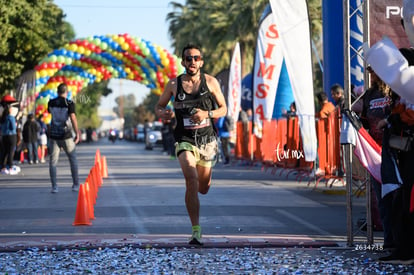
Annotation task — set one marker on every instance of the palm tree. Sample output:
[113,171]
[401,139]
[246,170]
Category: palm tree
[217,25]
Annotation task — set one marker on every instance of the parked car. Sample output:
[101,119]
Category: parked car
[140,135]
[154,136]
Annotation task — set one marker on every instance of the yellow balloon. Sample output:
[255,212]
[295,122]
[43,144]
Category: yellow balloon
[165,62]
[73,47]
[47,118]
[121,39]
[43,73]
[81,50]
[88,52]
[125,46]
[51,72]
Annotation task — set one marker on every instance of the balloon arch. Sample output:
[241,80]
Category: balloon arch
[85,61]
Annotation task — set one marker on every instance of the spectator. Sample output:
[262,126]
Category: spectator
[42,139]
[223,124]
[9,139]
[326,107]
[291,112]
[337,93]
[31,131]
[376,106]
[401,124]
[245,117]
[89,133]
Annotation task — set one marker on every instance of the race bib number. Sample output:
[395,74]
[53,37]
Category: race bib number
[190,124]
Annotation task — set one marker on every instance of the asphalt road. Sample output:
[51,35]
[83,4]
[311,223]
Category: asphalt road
[144,194]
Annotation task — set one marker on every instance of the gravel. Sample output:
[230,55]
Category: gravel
[130,260]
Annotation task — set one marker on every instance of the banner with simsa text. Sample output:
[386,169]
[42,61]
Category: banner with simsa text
[287,37]
[235,89]
[266,72]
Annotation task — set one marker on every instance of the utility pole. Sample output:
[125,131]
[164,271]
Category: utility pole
[121,100]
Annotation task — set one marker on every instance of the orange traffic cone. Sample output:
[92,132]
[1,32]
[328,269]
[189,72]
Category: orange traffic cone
[92,189]
[94,186]
[98,158]
[90,201]
[98,176]
[104,170]
[82,210]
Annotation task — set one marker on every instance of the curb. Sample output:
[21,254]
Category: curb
[61,242]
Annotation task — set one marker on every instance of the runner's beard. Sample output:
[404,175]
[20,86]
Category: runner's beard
[190,73]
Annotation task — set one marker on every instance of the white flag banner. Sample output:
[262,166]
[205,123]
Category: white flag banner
[292,21]
[266,72]
[392,67]
[234,92]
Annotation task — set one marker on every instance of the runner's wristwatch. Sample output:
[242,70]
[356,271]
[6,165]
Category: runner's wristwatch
[210,114]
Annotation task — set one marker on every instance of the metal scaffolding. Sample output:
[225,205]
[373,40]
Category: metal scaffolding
[349,54]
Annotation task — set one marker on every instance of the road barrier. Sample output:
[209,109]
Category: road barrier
[280,147]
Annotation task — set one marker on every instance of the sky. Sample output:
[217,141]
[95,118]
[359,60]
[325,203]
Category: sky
[138,18]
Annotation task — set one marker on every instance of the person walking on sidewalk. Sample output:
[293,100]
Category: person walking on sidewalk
[61,136]
[30,132]
[198,100]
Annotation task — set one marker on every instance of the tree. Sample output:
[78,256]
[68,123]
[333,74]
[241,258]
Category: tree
[87,103]
[127,103]
[145,110]
[315,16]
[217,25]
[30,29]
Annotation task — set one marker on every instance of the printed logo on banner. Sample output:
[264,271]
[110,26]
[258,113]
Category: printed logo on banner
[356,39]
[393,11]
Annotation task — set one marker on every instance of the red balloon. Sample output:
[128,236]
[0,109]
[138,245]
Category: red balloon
[92,47]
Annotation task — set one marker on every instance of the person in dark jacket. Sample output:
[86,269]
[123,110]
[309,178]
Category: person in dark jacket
[30,134]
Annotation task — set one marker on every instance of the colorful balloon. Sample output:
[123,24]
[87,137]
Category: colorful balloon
[93,59]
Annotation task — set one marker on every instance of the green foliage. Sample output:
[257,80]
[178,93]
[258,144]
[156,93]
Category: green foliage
[29,30]
[125,109]
[217,25]
[145,110]
[87,103]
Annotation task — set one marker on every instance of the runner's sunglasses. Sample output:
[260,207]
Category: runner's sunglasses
[189,58]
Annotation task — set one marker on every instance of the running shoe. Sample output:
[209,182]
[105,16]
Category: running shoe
[196,237]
